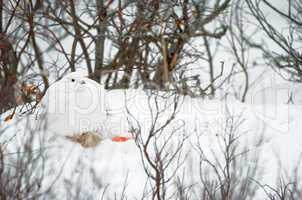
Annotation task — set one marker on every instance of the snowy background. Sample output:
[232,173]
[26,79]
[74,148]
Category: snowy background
[178,105]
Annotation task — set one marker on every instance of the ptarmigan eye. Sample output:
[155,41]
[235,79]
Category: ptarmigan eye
[72,80]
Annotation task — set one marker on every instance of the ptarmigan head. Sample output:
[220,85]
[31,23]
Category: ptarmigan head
[77,82]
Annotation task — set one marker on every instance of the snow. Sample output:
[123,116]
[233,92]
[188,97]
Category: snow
[269,133]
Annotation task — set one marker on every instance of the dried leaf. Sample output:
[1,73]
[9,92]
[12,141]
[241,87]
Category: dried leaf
[9,117]
[86,140]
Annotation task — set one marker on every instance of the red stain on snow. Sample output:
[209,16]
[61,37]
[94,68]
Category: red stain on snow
[120,139]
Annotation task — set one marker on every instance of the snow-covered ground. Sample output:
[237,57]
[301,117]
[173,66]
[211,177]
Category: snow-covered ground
[265,137]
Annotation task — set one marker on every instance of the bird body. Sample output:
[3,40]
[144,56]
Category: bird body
[73,105]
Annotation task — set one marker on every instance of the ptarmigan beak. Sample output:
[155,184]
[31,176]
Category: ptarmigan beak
[82,82]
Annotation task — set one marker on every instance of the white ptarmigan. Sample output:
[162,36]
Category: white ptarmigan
[74,105]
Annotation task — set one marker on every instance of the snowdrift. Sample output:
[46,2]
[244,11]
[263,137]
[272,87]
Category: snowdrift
[194,142]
